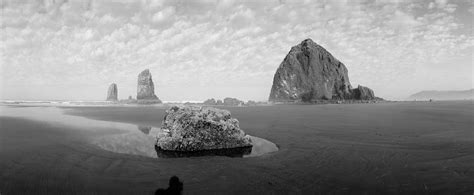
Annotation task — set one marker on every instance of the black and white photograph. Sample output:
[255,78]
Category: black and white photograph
[236,97]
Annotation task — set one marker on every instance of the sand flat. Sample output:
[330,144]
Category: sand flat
[406,147]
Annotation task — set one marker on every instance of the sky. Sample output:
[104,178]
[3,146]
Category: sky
[200,49]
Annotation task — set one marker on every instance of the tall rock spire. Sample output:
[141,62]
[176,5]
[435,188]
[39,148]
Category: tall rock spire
[145,86]
[112,92]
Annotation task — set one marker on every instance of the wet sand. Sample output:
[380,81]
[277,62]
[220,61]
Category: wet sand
[392,148]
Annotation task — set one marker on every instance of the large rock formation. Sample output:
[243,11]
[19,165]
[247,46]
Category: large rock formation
[112,92]
[309,72]
[233,102]
[211,101]
[145,87]
[196,129]
[362,93]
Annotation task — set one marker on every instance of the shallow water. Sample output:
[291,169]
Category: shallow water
[126,138]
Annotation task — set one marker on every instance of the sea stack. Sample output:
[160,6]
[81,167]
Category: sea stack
[309,73]
[145,87]
[112,92]
[363,93]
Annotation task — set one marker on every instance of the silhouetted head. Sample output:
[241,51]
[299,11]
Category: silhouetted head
[175,184]
[175,187]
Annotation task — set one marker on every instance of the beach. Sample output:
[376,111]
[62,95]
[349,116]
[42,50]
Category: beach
[384,148]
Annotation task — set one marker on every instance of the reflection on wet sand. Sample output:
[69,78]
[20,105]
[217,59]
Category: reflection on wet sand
[142,142]
[230,152]
[135,143]
[127,138]
[144,129]
[261,147]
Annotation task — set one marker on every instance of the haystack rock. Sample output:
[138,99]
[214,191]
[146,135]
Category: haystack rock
[112,92]
[197,129]
[309,72]
[145,87]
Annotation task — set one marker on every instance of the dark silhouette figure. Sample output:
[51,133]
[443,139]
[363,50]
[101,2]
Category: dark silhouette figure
[175,187]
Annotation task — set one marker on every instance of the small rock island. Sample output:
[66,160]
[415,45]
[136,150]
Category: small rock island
[146,88]
[112,93]
[195,129]
[310,73]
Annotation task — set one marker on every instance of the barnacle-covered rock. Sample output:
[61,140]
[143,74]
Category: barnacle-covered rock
[195,129]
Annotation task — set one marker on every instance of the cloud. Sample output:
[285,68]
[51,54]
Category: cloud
[198,48]
[163,15]
[431,5]
[441,3]
[152,4]
[450,8]
[402,20]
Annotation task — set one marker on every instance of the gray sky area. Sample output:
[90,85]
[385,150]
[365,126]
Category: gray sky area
[72,50]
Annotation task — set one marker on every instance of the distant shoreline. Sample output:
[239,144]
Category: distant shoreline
[166,104]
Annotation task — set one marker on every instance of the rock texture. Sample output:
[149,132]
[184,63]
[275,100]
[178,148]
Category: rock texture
[112,92]
[145,87]
[228,101]
[363,93]
[309,72]
[211,101]
[196,129]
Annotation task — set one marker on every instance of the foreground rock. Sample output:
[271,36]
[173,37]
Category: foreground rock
[145,87]
[192,129]
[112,92]
[309,73]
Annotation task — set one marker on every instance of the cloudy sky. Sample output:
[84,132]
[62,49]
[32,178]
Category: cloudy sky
[200,49]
